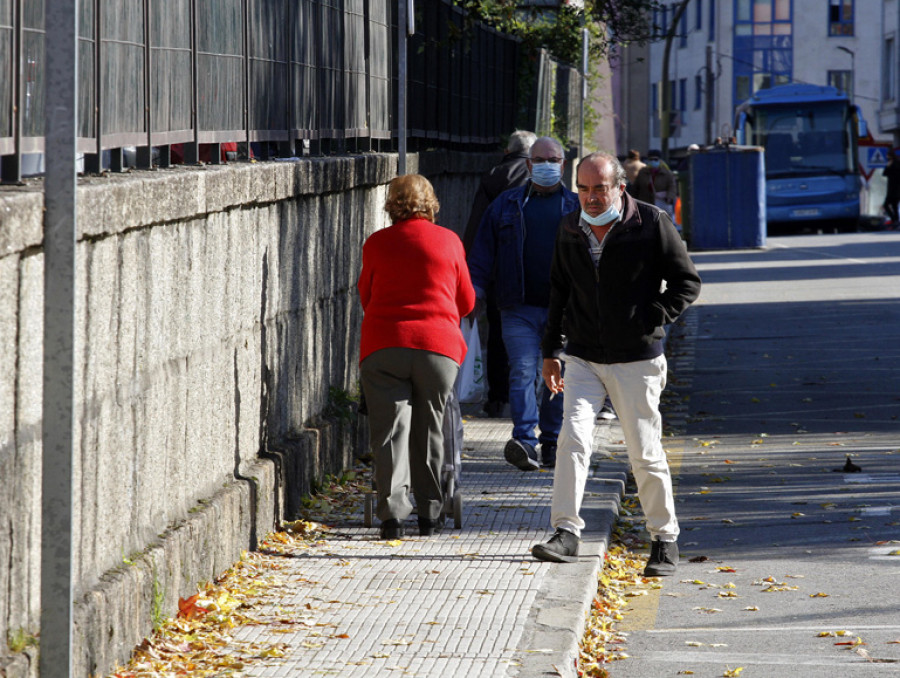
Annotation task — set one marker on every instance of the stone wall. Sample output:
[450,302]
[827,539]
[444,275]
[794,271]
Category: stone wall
[217,315]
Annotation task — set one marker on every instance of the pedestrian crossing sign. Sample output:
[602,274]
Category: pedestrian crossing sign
[877,157]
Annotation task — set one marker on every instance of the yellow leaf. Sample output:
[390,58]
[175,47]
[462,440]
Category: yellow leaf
[818,595]
[733,673]
[394,542]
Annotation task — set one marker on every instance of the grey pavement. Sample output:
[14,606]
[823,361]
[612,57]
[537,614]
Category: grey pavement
[796,353]
[468,602]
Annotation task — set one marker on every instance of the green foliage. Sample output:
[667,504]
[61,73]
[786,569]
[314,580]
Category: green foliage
[20,639]
[610,22]
[341,405]
[157,613]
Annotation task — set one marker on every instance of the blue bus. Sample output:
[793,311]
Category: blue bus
[810,135]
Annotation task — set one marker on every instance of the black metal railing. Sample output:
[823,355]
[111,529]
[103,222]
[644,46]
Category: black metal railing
[178,79]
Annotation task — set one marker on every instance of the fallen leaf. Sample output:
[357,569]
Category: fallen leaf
[818,595]
[732,673]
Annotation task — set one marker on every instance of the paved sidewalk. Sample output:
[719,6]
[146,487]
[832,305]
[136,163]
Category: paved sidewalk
[469,602]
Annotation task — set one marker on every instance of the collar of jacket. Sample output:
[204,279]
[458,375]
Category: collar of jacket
[631,216]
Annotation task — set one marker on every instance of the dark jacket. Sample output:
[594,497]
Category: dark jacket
[616,312]
[512,171]
[496,254]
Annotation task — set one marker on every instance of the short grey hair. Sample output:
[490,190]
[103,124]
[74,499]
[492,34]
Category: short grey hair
[618,171]
[520,141]
[555,142]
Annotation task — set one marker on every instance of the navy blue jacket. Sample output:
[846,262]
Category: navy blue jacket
[496,255]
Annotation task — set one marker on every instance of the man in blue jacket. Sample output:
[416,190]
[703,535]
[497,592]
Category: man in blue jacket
[513,249]
[620,274]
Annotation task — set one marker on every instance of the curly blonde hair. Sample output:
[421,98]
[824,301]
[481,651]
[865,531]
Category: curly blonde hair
[411,195]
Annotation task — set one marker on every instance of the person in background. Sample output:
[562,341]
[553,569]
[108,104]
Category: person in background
[414,288]
[655,184]
[892,197]
[512,252]
[620,273]
[512,171]
[633,165]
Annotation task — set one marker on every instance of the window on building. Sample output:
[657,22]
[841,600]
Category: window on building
[683,30]
[842,80]
[698,92]
[682,94]
[698,24]
[887,70]
[763,45]
[840,17]
[712,21]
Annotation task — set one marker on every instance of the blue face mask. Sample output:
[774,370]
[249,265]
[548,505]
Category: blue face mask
[653,163]
[607,217]
[546,174]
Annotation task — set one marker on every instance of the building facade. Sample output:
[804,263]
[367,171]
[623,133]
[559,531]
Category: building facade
[723,51]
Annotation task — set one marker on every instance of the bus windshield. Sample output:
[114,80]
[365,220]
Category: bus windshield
[803,140]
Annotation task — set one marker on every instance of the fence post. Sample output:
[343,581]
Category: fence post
[93,162]
[192,148]
[57,420]
[11,165]
[245,17]
[144,154]
[402,75]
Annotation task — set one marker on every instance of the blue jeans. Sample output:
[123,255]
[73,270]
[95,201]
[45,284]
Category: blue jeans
[523,328]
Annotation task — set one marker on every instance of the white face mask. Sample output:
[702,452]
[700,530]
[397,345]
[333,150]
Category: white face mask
[607,217]
[546,174]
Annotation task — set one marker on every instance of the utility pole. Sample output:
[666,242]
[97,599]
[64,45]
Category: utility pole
[666,97]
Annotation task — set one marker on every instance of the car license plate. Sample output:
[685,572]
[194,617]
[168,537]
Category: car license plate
[805,213]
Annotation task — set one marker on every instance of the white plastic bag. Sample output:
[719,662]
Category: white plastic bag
[470,381]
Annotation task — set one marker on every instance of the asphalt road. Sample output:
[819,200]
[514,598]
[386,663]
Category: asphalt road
[796,367]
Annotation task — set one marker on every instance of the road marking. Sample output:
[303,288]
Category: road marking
[860,478]
[774,629]
[752,659]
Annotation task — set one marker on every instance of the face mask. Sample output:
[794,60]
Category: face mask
[610,215]
[653,163]
[546,174]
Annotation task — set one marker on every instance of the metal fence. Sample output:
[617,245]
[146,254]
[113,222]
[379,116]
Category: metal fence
[177,79]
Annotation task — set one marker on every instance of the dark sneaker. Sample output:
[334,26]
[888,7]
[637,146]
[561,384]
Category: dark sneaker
[521,455]
[391,529]
[663,559]
[427,527]
[548,455]
[494,409]
[562,548]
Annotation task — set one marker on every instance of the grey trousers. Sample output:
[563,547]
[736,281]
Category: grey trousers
[406,391]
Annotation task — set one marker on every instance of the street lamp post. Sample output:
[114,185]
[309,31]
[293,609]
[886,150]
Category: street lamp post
[852,69]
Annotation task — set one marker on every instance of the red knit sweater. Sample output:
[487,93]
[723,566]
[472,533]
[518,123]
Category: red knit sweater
[414,288]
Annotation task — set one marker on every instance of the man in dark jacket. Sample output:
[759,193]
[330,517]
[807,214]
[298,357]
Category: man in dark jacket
[511,172]
[620,273]
[511,255]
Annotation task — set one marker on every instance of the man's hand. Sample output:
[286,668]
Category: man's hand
[552,373]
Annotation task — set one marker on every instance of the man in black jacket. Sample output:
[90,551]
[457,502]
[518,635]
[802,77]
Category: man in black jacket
[620,273]
[512,171]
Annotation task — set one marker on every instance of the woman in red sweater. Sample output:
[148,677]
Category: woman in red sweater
[414,288]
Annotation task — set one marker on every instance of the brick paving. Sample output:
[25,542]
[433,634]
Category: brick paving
[466,602]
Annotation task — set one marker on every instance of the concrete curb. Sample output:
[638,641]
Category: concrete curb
[556,622]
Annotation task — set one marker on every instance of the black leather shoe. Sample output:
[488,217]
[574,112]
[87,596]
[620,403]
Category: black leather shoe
[663,559]
[561,548]
[428,527]
[391,529]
